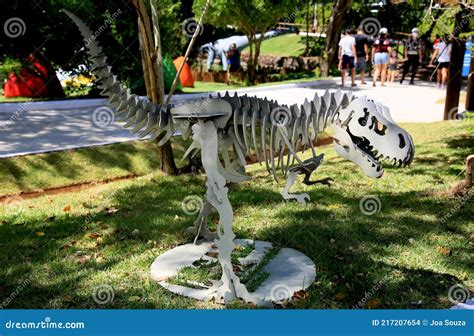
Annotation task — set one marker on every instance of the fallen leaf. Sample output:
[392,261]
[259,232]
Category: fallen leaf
[39,234]
[300,295]
[332,240]
[373,303]
[31,206]
[212,254]
[67,298]
[334,206]
[444,251]
[94,235]
[339,296]
[464,276]
[133,299]
[338,257]
[51,218]
[84,258]
[67,208]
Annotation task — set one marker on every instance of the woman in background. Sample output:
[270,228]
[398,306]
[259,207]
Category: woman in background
[380,57]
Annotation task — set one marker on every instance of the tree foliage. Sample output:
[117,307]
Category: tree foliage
[249,17]
[50,32]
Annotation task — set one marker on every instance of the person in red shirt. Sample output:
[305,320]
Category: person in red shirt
[380,56]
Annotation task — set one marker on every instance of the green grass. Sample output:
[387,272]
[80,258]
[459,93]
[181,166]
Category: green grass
[284,45]
[59,250]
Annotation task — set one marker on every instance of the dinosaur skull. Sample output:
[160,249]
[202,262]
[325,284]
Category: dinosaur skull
[365,134]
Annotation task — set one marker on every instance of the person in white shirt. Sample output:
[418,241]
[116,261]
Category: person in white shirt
[347,56]
[443,55]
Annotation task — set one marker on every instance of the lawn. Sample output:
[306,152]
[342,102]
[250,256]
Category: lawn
[60,250]
[284,45]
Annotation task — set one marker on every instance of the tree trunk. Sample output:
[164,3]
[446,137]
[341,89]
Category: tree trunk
[455,67]
[153,74]
[250,64]
[336,22]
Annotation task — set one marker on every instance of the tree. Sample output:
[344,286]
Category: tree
[336,22]
[152,62]
[251,17]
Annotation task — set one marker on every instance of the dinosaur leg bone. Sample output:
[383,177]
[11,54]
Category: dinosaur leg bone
[301,198]
[200,227]
[230,287]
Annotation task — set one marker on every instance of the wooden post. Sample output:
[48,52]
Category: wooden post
[455,66]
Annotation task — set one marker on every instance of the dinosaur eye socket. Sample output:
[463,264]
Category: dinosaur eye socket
[377,126]
[365,118]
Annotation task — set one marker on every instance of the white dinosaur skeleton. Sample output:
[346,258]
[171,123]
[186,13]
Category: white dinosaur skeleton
[227,129]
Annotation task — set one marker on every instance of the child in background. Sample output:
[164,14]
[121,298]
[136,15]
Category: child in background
[393,66]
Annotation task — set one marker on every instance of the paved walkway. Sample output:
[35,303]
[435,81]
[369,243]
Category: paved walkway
[27,128]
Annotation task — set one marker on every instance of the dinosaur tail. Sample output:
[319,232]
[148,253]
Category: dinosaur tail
[145,117]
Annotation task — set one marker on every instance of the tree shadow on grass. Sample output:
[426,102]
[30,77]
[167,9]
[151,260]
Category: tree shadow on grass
[352,251]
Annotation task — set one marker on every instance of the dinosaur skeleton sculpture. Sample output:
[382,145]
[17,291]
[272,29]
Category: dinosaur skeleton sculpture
[226,129]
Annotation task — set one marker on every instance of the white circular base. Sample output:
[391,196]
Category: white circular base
[289,271]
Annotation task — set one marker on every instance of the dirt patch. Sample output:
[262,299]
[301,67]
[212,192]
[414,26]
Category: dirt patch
[61,190]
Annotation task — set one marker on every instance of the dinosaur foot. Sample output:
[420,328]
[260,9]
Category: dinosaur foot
[300,198]
[232,290]
[325,181]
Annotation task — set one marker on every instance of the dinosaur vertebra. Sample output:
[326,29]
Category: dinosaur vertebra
[229,129]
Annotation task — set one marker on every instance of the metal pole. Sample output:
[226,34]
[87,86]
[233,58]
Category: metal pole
[186,55]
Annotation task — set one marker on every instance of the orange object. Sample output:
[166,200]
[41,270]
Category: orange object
[186,76]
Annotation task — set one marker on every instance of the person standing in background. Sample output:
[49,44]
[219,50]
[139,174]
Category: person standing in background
[233,57]
[413,56]
[393,66]
[380,56]
[362,52]
[443,55]
[347,56]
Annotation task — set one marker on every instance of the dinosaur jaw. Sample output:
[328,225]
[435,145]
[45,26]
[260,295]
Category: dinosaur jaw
[375,156]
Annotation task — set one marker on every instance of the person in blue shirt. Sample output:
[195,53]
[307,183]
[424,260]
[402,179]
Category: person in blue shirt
[233,59]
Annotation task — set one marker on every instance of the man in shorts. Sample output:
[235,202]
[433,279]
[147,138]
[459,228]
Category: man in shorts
[362,52]
[347,56]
